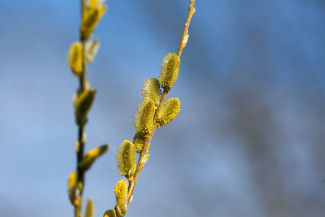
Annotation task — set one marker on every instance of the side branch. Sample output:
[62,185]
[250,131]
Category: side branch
[142,159]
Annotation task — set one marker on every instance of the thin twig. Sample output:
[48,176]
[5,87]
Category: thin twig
[145,148]
[182,43]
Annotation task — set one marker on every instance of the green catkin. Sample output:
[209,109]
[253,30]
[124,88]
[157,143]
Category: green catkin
[151,90]
[90,208]
[138,142]
[169,111]
[143,120]
[169,71]
[110,213]
[91,156]
[120,191]
[82,105]
[126,158]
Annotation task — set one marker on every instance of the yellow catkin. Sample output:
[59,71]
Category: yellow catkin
[90,208]
[90,19]
[143,120]
[120,191]
[138,142]
[169,71]
[110,213]
[126,158]
[72,186]
[82,105]
[91,156]
[151,90]
[75,58]
[169,111]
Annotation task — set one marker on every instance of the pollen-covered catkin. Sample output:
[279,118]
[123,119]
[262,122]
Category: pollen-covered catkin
[126,158]
[151,90]
[143,120]
[169,71]
[120,191]
[169,111]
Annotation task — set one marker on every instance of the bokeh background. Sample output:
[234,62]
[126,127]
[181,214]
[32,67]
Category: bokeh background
[249,140]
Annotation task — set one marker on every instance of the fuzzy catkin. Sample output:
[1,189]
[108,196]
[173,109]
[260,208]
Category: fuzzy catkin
[143,120]
[126,158]
[169,71]
[120,191]
[169,111]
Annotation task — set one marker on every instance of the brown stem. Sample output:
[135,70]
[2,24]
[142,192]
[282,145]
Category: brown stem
[191,12]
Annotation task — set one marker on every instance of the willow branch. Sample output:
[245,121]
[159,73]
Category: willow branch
[145,149]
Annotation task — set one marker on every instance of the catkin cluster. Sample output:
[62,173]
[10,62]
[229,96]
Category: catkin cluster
[149,116]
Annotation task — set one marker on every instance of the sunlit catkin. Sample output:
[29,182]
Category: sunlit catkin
[120,191]
[138,142]
[126,158]
[169,111]
[75,58]
[143,120]
[151,90]
[82,105]
[169,71]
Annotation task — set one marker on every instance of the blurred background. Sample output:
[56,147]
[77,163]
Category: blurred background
[249,140]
